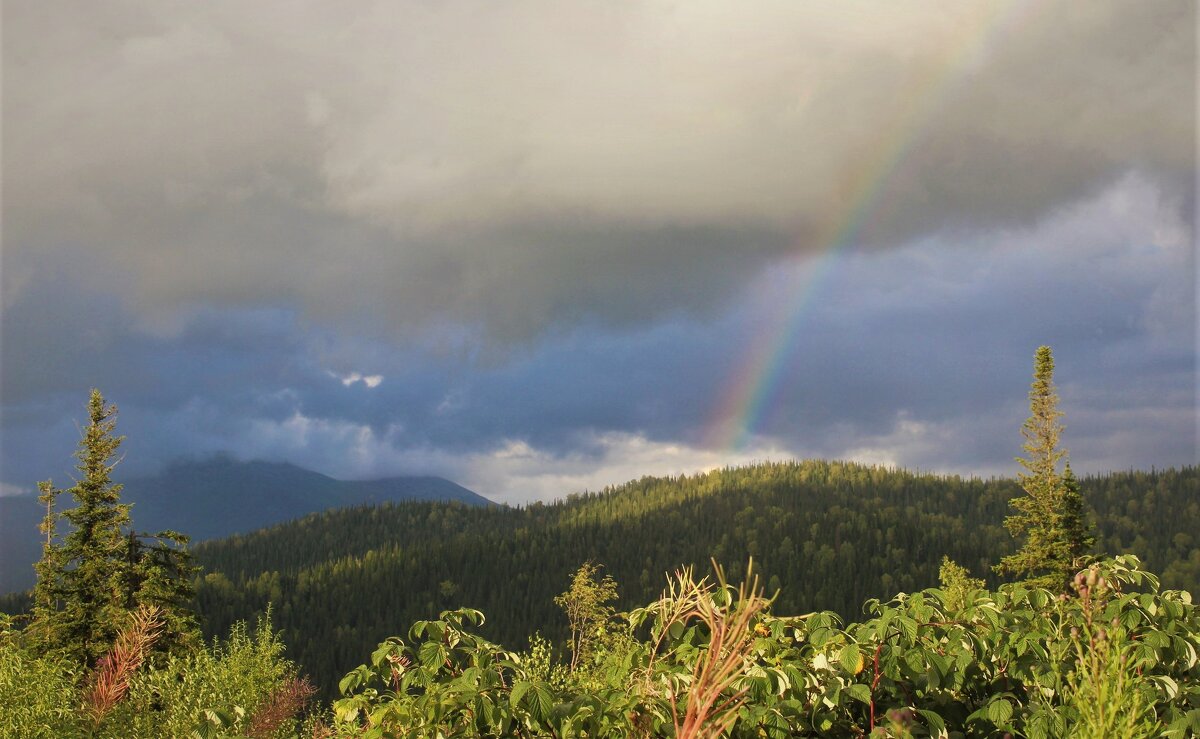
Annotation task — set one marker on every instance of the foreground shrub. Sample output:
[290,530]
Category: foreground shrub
[242,686]
[224,686]
[37,694]
[1116,657]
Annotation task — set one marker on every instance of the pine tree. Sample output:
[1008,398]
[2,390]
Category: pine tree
[1078,537]
[46,594]
[93,566]
[957,583]
[1050,516]
[161,576]
[102,570]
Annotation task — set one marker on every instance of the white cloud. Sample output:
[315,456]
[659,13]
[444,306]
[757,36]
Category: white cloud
[8,489]
[371,381]
[925,446]
[337,447]
[519,473]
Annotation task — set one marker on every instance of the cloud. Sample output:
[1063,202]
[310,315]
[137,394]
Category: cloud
[918,356]
[923,353]
[7,489]
[530,246]
[506,471]
[508,170]
[518,473]
[371,381]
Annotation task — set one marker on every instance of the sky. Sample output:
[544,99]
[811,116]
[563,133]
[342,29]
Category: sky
[546,247]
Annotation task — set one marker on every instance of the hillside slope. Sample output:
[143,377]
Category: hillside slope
[828,535]
[219,497]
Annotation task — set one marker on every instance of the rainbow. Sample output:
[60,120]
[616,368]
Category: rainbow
[739,410]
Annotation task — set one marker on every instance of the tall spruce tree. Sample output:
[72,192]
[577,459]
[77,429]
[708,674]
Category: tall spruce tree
[101,570]
[1050,520]
[87,572]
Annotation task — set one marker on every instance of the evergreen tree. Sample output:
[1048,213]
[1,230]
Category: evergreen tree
[957,583]
[93,567]
[1049,517]
[101,571]
[46,594]
[161,576]
[1078,537]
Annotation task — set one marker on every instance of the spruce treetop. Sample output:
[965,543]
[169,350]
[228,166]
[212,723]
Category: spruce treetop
[1050,521]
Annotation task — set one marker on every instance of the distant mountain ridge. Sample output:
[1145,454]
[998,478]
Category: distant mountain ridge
[217,497]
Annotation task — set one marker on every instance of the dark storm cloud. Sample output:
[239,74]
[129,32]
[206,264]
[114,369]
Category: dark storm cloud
[943,335]
[517,169]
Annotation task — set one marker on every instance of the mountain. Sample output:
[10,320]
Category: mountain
[824,535]
[221,496]
[218,497]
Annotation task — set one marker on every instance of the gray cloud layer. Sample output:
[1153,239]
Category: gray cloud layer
[511,168]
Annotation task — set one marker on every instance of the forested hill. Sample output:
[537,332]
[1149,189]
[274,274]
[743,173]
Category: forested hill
[827,535]
[216,497]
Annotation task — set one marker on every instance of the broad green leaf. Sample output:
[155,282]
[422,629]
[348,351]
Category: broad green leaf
[544,700]
[937,726]
[1169,687]
[519,689]
[859,692]
[851,659]
[351,681]
[999,712]
[432,655]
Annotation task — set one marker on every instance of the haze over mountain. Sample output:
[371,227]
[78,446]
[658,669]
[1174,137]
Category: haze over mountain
[216,497]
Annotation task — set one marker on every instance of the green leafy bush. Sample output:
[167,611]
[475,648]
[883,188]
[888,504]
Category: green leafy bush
[1116,657]
[238,687]
[240,673]
[37,693]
